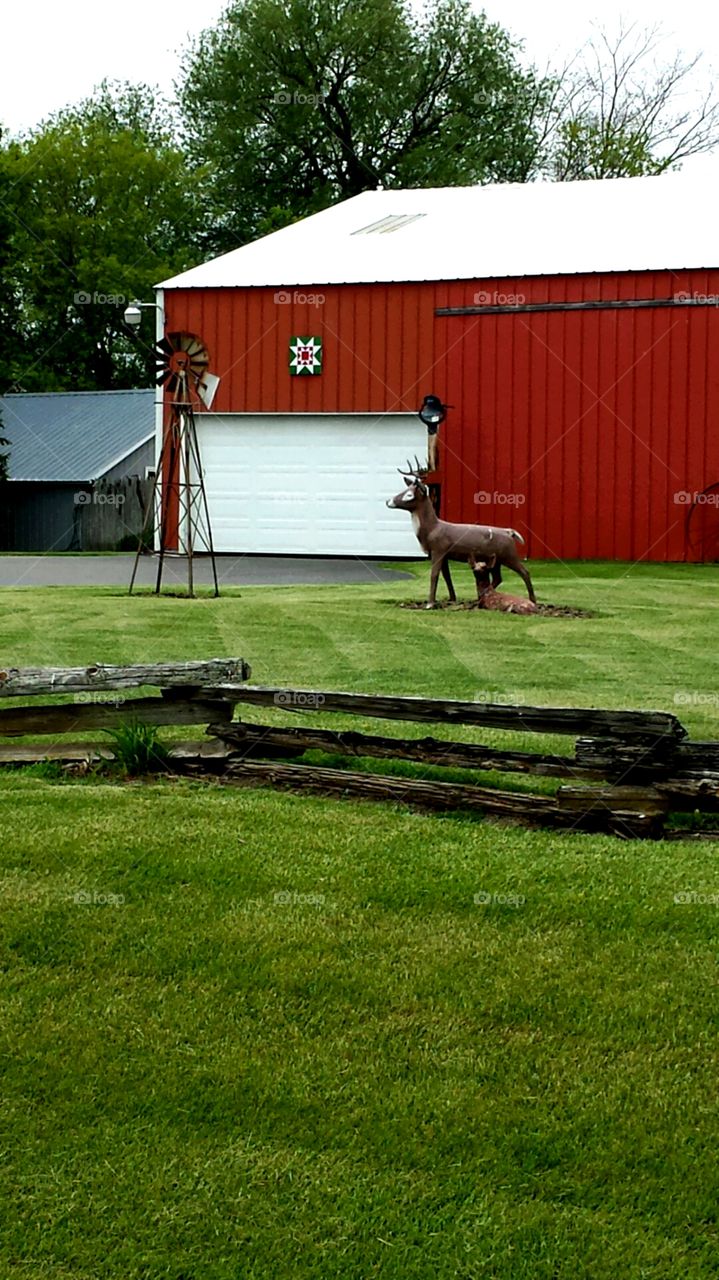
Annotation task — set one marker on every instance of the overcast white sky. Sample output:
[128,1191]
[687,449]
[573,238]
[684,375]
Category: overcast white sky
[55,54]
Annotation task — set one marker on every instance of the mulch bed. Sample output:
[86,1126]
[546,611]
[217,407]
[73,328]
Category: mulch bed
[543,610]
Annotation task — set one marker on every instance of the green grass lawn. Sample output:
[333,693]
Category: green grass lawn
[258,1035]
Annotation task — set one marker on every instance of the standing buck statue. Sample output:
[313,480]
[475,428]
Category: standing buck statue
[483,547]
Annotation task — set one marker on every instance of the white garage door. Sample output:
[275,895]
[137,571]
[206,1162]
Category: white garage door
[308,484]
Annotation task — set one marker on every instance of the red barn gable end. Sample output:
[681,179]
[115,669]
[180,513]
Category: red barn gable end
[571,326]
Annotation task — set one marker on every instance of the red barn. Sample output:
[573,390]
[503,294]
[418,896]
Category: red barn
[573,327]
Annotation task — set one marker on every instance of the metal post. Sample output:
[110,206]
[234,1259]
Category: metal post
[203,496]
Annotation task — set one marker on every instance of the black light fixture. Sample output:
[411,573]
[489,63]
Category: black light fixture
[433,413]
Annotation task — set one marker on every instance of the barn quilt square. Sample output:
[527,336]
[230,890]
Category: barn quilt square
[305,355]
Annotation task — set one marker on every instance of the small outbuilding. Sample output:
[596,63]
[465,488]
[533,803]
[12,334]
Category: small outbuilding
[79,464]
[573,328]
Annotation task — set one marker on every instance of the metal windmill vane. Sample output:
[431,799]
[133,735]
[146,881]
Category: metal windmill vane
[180,356]
[178,505]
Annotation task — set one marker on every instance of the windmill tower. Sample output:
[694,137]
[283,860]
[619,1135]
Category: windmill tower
[178,505]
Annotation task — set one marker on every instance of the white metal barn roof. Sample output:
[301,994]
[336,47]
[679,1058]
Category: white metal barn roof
[466,233]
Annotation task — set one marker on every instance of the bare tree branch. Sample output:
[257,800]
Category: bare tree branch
[619,110]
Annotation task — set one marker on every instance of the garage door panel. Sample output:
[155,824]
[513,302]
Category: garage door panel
[313,485]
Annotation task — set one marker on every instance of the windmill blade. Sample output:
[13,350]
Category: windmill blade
[192,344]
[180,359]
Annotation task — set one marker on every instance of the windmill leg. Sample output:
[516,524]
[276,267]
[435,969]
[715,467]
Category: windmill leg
[203,499]
[149,519]
[149,515]
[165,507]
[188,426]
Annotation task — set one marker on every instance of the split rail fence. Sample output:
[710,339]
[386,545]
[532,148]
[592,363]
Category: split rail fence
[629,770]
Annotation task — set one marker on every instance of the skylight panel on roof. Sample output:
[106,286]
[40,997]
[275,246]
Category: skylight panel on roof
[392,223]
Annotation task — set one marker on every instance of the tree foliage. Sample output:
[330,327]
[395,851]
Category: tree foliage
[299,103]
[10,329]
[103,208]
[286,106]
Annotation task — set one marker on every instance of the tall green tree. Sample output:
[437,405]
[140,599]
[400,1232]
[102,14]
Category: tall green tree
[298,103]
[9,327]
[104,208]
[11,335]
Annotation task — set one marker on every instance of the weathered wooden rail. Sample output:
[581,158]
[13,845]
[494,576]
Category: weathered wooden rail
[642,760]
[642,726]
[99,692]
[29,681]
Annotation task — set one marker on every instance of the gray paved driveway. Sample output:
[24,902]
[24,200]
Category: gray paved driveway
[232,571]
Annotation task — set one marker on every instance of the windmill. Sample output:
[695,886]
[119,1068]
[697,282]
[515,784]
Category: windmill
[178,504]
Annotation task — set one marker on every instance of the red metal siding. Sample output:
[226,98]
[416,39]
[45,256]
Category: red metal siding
[591,421]
[581,426]
[378,343]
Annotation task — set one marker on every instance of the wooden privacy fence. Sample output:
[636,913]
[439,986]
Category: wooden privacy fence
[111,514]
[628,770]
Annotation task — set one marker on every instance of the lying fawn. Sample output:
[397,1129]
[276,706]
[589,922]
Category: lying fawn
[488,598]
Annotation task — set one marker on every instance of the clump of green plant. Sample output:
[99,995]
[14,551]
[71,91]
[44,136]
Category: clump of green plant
[48,770]
[144,539]
[138,749]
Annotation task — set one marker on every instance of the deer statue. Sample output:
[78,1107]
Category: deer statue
[480,546]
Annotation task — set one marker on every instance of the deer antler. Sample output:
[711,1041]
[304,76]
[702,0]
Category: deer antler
[418,471]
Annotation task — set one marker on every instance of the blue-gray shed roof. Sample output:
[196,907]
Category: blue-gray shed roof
[74,436]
